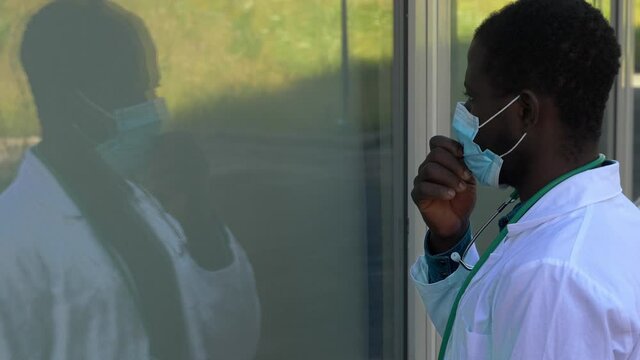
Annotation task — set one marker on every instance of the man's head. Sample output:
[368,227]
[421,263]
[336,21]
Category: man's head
[561,57]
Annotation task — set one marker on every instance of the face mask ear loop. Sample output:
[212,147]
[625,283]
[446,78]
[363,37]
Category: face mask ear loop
[514,146]
[499,112]
[95,106]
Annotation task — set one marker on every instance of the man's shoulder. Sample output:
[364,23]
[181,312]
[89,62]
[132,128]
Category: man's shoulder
[613,223]
[16,207]
[591,248]
[32,217]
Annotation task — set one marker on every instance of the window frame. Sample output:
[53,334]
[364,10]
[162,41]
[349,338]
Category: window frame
[429,63]
[619,114]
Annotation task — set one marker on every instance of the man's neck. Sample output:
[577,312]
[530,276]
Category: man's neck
[545,169]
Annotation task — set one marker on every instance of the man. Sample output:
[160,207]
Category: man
[560,281]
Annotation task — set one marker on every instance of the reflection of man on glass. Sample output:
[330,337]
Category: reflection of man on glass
[91,265]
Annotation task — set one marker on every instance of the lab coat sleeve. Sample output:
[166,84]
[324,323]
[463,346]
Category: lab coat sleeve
[438,297]
[550,310]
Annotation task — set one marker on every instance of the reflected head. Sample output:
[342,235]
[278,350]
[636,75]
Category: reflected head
[93,48]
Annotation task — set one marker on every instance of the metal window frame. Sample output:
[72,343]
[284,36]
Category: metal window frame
[400,150]
[429,88]
[416,150]
[619,116]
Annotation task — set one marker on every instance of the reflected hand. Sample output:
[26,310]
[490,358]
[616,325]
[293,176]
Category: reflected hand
[445,193]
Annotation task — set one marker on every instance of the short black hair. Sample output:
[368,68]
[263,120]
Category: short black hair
[564,49]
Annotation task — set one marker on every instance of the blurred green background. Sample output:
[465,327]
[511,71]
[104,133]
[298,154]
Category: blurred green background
[217,52]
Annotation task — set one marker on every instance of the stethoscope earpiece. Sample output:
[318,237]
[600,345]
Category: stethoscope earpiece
[456,257]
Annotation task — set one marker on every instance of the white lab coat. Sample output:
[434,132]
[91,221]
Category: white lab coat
[564,284]
[62,298]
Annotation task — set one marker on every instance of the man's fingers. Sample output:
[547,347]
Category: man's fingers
[446,143]
[425,162]
[430,191]
[440,175]
[443,158]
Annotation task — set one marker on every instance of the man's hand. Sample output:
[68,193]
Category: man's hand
[445,193]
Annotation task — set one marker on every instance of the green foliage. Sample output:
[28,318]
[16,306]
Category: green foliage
[471,13]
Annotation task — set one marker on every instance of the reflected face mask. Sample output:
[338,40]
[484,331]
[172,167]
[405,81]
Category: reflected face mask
[136,127]
[484,165]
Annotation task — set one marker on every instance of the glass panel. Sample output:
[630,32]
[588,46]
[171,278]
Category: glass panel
[253,219]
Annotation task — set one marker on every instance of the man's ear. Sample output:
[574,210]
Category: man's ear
[530,108]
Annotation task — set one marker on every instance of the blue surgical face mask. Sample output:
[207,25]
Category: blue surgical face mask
[136,127]
[484,165]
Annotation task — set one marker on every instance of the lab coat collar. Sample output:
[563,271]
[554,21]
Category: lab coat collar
[40,185]
[578,191]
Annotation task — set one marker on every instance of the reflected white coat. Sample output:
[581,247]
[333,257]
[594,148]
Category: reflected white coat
[564,284]
[61,297]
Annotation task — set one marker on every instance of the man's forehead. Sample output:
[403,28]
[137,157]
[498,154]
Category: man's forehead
[474,76]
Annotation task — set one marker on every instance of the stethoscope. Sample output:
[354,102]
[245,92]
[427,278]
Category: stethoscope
[455,256]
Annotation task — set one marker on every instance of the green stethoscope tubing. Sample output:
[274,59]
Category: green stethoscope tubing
[501,236]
